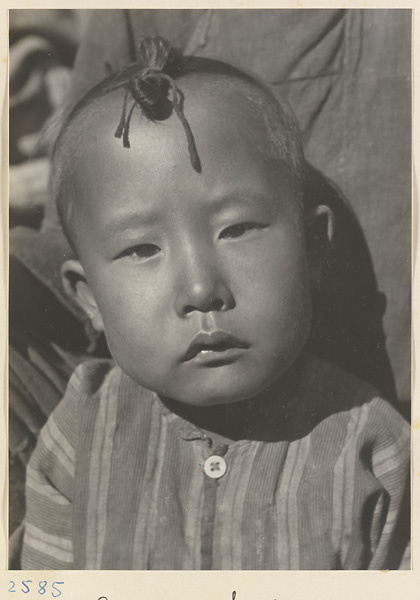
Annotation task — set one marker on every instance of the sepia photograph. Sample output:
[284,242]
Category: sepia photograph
[210,216]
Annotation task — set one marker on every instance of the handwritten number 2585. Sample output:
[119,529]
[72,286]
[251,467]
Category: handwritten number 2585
[41,590]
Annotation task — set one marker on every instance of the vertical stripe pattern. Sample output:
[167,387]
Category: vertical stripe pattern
[117,482]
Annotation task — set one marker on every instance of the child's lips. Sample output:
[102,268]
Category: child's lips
[214,346]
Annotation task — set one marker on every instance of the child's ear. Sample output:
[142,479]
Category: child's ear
[319,226]
[77,287]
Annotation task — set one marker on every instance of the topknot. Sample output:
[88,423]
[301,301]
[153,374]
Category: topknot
[154,90]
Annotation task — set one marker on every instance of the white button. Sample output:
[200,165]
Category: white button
[215,466]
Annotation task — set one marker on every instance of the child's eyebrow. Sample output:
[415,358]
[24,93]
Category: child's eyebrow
[132,220]
[247,199]
[145,217]
[239,199]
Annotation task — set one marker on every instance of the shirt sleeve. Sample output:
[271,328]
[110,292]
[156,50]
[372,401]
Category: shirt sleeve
[47,542]
[390,528]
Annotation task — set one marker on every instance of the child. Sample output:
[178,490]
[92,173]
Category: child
[216,440]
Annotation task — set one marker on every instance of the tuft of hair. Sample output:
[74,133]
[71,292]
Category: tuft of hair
[157,53]
[152,85]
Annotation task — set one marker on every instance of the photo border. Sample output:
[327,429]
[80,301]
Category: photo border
[214,585]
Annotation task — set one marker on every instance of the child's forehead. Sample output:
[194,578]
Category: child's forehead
[221,101]
[242,136]
[155,175]
[230,134]
[227,133]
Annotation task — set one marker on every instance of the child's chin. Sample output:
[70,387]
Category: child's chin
[208,398]
[209,401]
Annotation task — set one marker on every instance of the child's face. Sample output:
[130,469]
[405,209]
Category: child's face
[200,279]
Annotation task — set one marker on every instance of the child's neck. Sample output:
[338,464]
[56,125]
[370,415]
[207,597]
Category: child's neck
[246,419]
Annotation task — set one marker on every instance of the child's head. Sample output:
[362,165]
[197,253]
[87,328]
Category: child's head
[191,241]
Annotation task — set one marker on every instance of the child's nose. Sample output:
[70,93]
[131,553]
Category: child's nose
[202,287]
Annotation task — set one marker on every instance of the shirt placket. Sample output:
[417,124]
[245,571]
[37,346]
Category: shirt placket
[215,468]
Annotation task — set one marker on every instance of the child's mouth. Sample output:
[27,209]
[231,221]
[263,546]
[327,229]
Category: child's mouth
[213,348]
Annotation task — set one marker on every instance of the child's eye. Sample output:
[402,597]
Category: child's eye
[141,251]
[240,229]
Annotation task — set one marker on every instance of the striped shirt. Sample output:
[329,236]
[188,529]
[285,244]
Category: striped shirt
[117,482]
